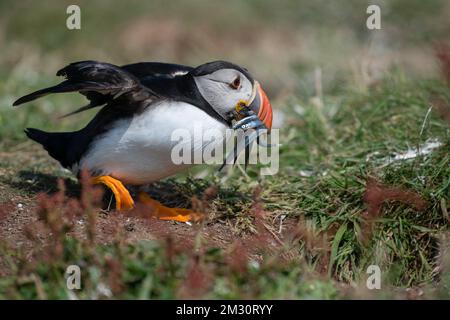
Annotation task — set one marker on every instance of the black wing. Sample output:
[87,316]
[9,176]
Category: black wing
[156,69]
[100,82]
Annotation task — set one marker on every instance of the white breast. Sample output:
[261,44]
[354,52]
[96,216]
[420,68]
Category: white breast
[138,150]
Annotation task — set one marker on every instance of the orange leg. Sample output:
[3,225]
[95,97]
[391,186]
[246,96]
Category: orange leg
[165,213]
[123,197]
[124,201]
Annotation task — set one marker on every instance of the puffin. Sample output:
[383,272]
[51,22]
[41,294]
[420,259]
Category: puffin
[128,142]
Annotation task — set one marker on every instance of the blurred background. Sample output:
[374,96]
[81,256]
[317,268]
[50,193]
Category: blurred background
[357,105]
[302,48]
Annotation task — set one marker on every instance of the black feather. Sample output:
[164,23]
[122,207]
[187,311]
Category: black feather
[56,143]
[99,82]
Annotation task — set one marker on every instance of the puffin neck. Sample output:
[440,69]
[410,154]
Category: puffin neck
[182,88]
[187,88]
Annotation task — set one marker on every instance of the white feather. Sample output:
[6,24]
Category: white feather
[178,73]
[138,150]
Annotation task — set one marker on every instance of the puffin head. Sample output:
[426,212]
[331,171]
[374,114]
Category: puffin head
[230,89]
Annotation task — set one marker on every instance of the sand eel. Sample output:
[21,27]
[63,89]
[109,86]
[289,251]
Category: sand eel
[129,139]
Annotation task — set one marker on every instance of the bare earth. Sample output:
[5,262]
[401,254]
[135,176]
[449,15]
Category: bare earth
[27,171]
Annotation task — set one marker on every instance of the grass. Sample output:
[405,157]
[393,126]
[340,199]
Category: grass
[342,150]
[343,199]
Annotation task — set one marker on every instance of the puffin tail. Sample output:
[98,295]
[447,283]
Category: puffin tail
[56,143]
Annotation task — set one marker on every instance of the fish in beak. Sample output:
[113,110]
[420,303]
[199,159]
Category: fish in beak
[255,115]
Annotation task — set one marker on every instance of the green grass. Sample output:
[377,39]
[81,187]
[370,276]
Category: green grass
[333,143]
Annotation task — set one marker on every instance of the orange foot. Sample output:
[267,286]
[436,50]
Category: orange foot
[123,197]
[165,213]
[124,201]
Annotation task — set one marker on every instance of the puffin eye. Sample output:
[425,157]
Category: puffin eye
[236,83]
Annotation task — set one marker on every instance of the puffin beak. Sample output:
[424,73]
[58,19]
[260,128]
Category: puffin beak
[260,105]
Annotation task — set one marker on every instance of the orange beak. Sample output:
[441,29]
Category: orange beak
[261,106]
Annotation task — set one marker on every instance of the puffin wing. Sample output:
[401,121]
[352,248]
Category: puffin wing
[101,83]
[156,69]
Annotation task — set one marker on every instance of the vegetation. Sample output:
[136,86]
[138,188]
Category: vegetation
[364,163]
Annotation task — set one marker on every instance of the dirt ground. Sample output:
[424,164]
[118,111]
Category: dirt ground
[13,227]
[29,171]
